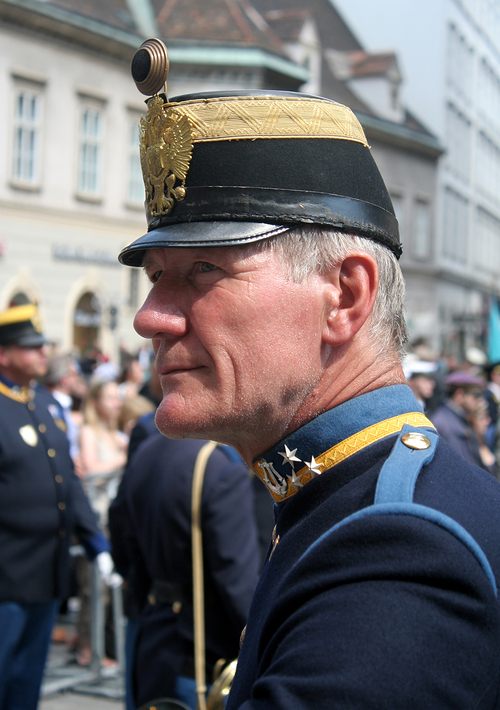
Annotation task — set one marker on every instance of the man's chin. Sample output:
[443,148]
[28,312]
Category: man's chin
[178,424]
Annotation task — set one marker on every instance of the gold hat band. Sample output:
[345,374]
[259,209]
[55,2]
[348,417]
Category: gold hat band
[244,117]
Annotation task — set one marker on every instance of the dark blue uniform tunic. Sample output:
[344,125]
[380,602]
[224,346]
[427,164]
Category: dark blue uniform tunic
[386,611]
[153,506]
[42,504]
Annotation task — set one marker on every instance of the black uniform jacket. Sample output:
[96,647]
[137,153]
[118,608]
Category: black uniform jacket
[157,489]
[42,502]
[387,611]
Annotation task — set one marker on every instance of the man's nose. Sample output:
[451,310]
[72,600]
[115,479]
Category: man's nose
[160,317]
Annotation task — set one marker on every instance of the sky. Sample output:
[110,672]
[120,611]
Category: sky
[401,26]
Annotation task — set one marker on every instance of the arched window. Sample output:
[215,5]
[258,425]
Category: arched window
[19,299]
[87,320]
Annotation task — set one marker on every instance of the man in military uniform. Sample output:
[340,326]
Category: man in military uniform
[41,505]
[276,316]
[157,487]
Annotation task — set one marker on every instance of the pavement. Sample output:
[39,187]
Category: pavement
[68,686]
[70,700]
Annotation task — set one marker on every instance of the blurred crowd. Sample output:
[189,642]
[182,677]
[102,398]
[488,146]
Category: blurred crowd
[462,399]
[101,402]
[139,486]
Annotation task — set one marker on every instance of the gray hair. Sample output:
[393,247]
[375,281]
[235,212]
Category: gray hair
[59,368]
[311,249]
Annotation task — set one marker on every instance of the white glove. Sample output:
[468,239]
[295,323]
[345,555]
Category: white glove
[105,565]
[106,568]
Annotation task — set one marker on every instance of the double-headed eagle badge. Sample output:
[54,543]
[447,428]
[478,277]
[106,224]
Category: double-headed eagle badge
[166,141]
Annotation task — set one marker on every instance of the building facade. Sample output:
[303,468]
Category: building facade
[71,193]
[71,190]
[451,52]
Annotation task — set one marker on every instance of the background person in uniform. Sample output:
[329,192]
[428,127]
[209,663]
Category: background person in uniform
[276,317]
[42,505]
[155,512]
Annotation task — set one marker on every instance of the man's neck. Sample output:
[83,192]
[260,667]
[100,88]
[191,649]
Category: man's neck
[13,380]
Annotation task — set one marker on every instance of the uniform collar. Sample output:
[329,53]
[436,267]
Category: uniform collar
[335,435]
[14,391]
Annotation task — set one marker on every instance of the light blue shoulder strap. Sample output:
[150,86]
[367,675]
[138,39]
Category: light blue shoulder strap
[394,496]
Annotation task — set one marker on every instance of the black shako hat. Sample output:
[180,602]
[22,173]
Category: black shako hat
[231,168]
[20,325]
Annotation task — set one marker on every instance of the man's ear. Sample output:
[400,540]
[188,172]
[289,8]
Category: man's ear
[352,290]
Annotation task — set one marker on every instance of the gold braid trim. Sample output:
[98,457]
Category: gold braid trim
[342,451]
[242,117]
[369,436]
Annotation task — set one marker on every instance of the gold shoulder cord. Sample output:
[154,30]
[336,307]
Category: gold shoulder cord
[222,684]
[198,591]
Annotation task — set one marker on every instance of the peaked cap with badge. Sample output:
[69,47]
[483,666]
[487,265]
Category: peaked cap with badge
[230,168]
[20,325]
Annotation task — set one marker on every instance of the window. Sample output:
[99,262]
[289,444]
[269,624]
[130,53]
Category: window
[399,209]
[487,244]
[135,188]
[455,227]
[27,125]
[421,241]
[459,62]
[90,152]
[459,143]
[488,168]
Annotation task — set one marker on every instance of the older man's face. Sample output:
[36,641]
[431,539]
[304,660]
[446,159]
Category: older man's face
[238,345]
[22,365]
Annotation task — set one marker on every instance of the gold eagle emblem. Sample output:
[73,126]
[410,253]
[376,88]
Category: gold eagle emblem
[166,142]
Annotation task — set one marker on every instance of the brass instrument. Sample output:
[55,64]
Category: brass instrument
[222,685]
[165,704]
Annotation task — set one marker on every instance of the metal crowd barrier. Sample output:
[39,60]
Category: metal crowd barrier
[95,679]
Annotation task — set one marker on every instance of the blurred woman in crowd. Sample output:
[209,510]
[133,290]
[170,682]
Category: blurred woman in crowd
[131,379]
[103,454]
[103,447]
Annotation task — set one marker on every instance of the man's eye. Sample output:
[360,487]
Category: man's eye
[154,277]
[205,267]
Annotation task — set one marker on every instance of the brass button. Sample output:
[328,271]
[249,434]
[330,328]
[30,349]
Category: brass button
[61,506]
[242,636]
[62,533]
[51,453]
[176,607]
[31,406]
[415,440]
[59,479]
[42,428]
